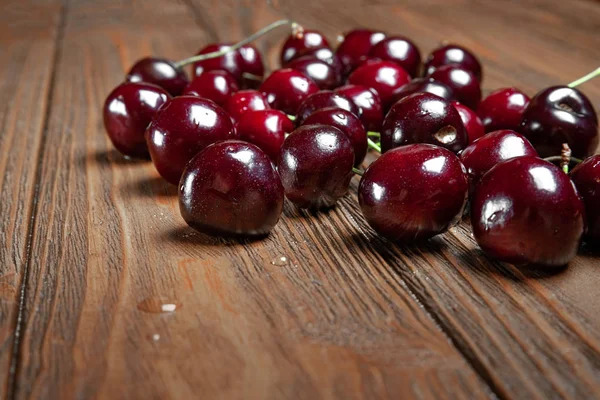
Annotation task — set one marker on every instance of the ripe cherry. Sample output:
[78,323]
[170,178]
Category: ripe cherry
[266,129]
[355,47]
[286,89]
[183,127]
[424,85]
[229,62]
[324,99]
[315,166]
[527,211]
[161,72]
[128,110]
[243,101]
[385,77]
[463,83]
[399,50]
[586,177]
[368,102]
[503,109]
[323,54]
[216,85]
[322,73]
[471,121]
[423,118]
[252,66]
[300,43]
[231,189]
[413,192]
[453,55]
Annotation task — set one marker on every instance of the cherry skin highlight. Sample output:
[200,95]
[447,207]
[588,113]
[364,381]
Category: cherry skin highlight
[322,73]
[183,127]
[453,55]
[355,47]
[161,72]
[266,129]
[464,84]
[527,211]
[413,192]
[300,43]
[315,166]
[503,109]
[385,77]
[423,118]
[424,85]
[324,99]
[471,121]
[399,50]
[231,189]
[243,101]
[346,122]
[368,102]
[586,177]
[286,89]
[216,85]
[127,111]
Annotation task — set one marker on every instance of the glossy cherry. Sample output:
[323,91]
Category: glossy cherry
[323,54]
[216,85]
[452,54]
[463,83]
[252,66]
[266,129]
[243,101]
[423,118]
[586,177]
[161,72]
[503,109]
[527,211]
[413,192]
[324,99]
[400,50]
[285,89]
[368,102]
[231,189]
[127,111]
[230,62]
[471,121]
[385,77]
[348,123]
[181,129]
[355,47]
[315,166]
[558,115]
[424,85]
[300,43]
[322,73]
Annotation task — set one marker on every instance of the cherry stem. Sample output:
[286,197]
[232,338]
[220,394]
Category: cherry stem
[291,117]
[358,171]
[374,145]
[564,158]
[234,47]
[373,134]
[585,78]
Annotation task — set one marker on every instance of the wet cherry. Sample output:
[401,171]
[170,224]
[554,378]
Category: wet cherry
[266,129]
[300,43]
[399,50]
[423,85]
[463,83]
[324,99]
[216,85]
[454,55]
[243,101]
[503,109]
[355,47]
[368,102]
[286,89]
[471,121]
[586,177]
[322,73]
[385,77]
[161,72]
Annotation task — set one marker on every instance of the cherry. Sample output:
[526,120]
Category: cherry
[452,54]
[216,85]
[355,47]
[384,76]
[423,118]
[300,42]
[252,66]
[558,115]
[231,189]
[423,85]
[243,101]
[413,192]
[323,54]
[471,121]
[464,84]
[399,50]
[315,165]
[491,149]
[526,211]
[586,177]
[322,73]
[161,72]
[286,89]
[183,127]
[503,109]
[229,62]
[346,122]
[368,102]
[266,129]
[324,99]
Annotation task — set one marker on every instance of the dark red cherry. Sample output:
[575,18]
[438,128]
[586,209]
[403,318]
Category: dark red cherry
[231,189]
[128,110]
[230,62]
[368,102]
[323,74]
[463,83]
[183,127]
[266,129]
[423,85]
[298,43]
[252,66]
[355,47]
[161,72]
[527,211]
[324,99]
[348,123]
[324,54]
[216,85]
[285,89]
[385,77]
[586,177]
[315,166]
[454,55]
[491,149]
[413,192]
[558,115]
[503,109]
[399,50]
[423,118]
[470,120]
[243,101]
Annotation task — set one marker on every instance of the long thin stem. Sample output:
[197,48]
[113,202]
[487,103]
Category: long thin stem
[585,78]
[236,46]
[373,134]
[374,145]
[358,172]
[574,160]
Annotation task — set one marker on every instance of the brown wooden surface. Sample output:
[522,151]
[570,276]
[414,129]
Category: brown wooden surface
[91,241]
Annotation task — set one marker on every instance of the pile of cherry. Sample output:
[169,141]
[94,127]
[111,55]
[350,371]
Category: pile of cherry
[236,144]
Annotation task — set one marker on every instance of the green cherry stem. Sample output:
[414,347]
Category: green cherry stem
[291,117]
[374,145]
[358,172]
[564,158]
[373,134]
[585,78]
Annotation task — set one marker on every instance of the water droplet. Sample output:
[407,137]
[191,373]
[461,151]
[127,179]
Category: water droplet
[158,305]
[280,261]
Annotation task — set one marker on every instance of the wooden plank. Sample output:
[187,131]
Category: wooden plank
[28,48]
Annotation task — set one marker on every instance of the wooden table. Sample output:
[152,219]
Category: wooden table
[91,242]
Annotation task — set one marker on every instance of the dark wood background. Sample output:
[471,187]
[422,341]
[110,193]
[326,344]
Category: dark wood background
[92,242]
